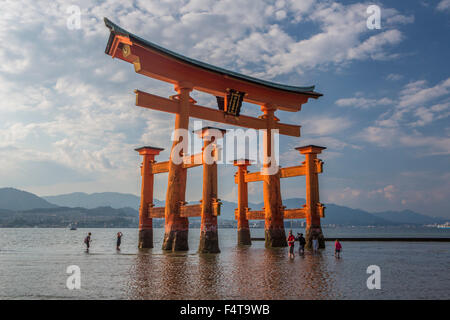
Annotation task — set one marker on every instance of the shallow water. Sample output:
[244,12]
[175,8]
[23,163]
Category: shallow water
[33,265]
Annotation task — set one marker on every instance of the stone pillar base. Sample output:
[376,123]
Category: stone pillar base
[275,238]
[176,241]
[244,238]
[209,242]
[145,239]
[312,231]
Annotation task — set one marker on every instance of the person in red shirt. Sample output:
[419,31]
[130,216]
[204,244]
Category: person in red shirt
[291,241]
[337,249]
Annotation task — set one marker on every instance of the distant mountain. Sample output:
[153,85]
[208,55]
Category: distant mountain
[64,216]
[335,214]
[15,203]
[17,200]
[104,199]
[408,215]
[340,215]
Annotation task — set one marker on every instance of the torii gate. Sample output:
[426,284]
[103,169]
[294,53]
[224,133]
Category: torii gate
[231,89]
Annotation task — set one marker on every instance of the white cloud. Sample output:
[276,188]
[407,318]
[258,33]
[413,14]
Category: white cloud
[363,103]
[443,5]
[416,93]
[325,125]
[396,137]
[394,77]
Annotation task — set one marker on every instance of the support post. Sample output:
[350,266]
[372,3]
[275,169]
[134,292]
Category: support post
[209,240]
[313,227]
[177,227]
[274,234]
[145,222]
[242,224]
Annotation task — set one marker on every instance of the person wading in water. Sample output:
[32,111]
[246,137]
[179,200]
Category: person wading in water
[302,242]
[315,244]
[119,240]
[337,249]
[87,241]
[291,241]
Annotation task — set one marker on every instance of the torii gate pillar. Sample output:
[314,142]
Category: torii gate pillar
[274,234]
[145,222]
[177,227]
[313,205]
[242,221]
[209,240]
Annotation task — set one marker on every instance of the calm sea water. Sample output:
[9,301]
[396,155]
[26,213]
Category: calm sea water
[33,265]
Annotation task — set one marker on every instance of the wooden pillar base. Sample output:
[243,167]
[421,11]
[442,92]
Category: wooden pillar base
[275,238]
[209,242]
[275,235]
[145,239]
[244,238]
[176,240]
[310,233]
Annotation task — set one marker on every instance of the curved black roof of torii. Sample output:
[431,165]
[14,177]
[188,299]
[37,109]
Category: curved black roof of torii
[115,29]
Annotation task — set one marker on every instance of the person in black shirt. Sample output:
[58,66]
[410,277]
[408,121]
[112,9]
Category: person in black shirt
[87,241]
[302,242]
[119,240]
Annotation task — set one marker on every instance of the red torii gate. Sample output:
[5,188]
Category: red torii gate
[231,89]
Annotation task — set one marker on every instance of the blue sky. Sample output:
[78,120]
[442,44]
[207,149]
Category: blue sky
[68,121]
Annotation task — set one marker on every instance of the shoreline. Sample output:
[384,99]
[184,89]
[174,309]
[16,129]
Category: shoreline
[399,239]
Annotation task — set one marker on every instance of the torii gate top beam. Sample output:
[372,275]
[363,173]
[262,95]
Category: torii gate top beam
[157,62]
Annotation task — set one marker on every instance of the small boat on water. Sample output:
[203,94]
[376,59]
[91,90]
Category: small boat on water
[72,226]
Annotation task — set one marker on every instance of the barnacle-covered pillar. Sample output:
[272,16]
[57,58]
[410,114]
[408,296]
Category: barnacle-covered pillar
[145,222]
[209,240]
[314,209]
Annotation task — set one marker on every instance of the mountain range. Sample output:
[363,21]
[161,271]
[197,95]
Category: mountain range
[111,205]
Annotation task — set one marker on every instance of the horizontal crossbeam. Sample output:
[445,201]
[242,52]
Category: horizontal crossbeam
[150,101]
[284,172]
[192,210]
[156,212]
[188,162]
[299,213]
[186,211]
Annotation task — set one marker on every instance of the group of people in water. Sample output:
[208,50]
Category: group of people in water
[315,245]
[291,241]
[87,241]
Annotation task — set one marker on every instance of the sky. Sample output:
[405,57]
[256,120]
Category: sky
[68,120]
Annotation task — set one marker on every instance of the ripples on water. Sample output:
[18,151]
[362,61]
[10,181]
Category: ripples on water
[33,263]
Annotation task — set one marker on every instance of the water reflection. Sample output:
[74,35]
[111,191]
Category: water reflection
[210,275]
[29,266]
[240,273]
[140,280]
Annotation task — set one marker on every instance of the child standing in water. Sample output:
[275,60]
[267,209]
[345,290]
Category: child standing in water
[337,249]
[119,240]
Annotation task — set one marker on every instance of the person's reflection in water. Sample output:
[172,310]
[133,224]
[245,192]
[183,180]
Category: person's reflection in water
[314,281]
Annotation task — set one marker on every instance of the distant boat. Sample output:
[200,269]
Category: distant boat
[72,226]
